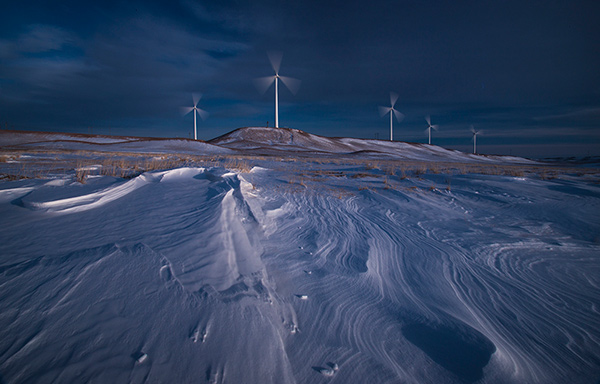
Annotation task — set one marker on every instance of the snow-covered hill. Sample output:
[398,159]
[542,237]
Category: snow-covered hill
[251,141]
[278,141]
[79,142]
[268,271]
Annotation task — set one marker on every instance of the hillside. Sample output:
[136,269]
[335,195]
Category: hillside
[278,141]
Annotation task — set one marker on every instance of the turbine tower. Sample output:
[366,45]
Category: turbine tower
[385,110]
[202,113]
[264,83]
[475,133]
[428,119]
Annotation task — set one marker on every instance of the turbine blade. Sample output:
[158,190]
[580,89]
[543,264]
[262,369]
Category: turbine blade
[384,110]
[275,59]
[473,129]
[399,115]
[292,84]
[393,98]
[435,127]
[196,97]
[263,83]
[185,110]
[202,113]
[428,119]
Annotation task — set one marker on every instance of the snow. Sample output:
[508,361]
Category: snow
[300,271]
[282,141]
[79,142]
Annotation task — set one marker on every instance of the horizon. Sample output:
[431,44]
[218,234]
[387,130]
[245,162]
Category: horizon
[526,76]
[467,152]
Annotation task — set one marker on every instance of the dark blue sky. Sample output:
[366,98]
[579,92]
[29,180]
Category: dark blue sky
[525,73]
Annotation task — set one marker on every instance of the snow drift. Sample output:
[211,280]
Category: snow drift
[300,272]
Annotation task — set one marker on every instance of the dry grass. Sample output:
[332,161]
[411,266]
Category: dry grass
[403,174]
[39,164]
[239,165]
[386,184]
[81,175]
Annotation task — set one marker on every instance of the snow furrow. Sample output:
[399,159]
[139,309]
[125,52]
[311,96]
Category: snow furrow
[210,275]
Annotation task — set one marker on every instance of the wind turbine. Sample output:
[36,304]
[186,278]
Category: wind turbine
[385,110]
[428,119]
[264,83]
[475,133]
[202,113]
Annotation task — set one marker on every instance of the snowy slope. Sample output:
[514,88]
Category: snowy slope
[282,141]
[79,142]
[298,272]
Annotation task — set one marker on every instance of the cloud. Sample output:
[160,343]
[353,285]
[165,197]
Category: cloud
[136,66]
[43,38]
[577,114]
[37,39]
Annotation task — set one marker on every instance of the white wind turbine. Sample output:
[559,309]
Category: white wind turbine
[435,127]
[475,133]
[202,113]
[264,83]
[385,110]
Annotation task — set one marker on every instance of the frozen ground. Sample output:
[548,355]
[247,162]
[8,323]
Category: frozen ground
[295,270]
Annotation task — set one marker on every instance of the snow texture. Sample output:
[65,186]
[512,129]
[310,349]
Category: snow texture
[213,275]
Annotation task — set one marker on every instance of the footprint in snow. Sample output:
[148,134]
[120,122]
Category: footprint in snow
[199,335]
[140,357]
[328,371]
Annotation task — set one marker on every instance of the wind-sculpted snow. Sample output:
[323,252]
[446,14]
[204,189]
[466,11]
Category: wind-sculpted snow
[208,275]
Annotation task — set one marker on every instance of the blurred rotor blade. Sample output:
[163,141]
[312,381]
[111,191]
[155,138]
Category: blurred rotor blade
[399,115]
[426,130]
[185,110]
[435,127]
[384,110]
[428,119]
[202,113]
[263,83]
[275,59]
[393,98]
[292,84]
[473,129]
[196,97]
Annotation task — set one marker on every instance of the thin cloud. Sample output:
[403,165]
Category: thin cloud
[582,113]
